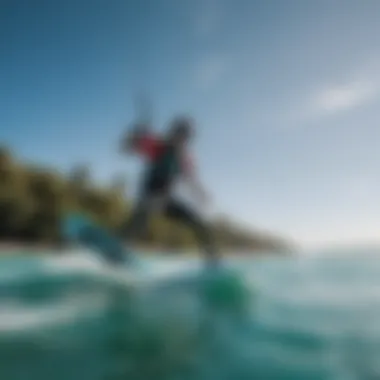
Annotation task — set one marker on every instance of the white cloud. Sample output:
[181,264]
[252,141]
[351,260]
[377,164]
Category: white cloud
[329,100]
[342,97]
[210,70]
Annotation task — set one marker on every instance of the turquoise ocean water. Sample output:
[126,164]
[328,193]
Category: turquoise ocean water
[65,317]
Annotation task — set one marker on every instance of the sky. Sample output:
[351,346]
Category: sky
[286,96]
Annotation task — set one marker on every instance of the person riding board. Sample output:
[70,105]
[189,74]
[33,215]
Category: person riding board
[167,161]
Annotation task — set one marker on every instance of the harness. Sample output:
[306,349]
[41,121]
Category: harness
[163,170]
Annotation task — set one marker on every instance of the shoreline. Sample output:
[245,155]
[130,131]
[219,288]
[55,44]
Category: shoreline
[11,247]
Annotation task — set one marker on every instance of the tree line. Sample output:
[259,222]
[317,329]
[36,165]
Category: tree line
[33,200]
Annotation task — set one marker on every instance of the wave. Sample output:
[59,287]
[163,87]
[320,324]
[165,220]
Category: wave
[72,317]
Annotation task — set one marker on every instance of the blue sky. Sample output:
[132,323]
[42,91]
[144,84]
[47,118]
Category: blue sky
[286,95]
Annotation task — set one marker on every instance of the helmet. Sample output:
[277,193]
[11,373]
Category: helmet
[181,126]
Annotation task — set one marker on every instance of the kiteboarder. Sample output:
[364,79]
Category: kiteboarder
[167,160]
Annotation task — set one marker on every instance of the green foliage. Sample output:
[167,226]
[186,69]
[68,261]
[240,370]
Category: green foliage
[32,200]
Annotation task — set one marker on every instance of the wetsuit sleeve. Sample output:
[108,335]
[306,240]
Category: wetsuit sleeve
[148,145]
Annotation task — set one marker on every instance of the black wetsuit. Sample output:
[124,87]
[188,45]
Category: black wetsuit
[156,195]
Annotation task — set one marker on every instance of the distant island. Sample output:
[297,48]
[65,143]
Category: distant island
[33,198]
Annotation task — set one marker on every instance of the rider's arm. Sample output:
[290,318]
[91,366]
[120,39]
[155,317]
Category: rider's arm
[142,141]
[133,139]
